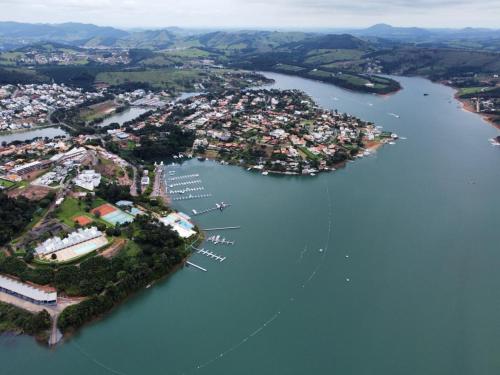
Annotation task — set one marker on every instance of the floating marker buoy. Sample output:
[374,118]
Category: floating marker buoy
[348,279]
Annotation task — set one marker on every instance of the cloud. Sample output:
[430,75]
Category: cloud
[262,13]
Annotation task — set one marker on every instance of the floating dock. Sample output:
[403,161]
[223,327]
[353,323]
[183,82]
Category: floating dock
[211,255]
[197,266]
[216,240]
[184,177]
[218,206]
[221,228]
[186,190]
[185,183]
[190,196]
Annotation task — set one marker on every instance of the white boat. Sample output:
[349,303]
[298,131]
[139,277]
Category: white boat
[312,174]
[392,143]
[265,173]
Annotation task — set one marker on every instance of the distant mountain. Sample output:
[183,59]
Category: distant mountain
[390,32]
[16,33]
[419,35]
[331,41]
[246,41]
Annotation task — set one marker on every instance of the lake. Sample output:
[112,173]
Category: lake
[129,114]
[388,266]
[49,132]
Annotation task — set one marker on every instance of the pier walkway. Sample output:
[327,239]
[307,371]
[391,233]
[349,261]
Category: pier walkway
[184,183]
[184,177]
[220,207]
[190,196]
[211,255]
[221,228]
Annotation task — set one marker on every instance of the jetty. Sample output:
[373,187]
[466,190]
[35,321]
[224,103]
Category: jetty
[196,266]
[218,207]
[192,182]
[191,196]
[216,240]
[211,255]
[221,228]
[187,190]
[184,177]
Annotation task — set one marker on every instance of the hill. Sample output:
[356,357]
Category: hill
[18,34]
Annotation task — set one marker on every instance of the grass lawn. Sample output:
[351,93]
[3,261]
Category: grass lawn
[472,90]
[309,154]
[161,78]
[6,184]
[131,249]
[290,68]
[71,208]
[321,57]
[98,111]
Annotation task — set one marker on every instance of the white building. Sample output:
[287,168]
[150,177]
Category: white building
[88,179]
[180,223]
[27,291]
[78,237]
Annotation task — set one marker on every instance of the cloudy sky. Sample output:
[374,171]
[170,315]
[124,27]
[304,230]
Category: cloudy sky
[256,13]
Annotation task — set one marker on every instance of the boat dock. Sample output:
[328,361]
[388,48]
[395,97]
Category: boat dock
[197,266]
[211,255]
[216,240]
[185,183]
[186,190]
[221,228]
[190,196]
[184,177]
[218,206]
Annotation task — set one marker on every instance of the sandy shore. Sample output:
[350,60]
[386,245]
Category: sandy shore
[468,106]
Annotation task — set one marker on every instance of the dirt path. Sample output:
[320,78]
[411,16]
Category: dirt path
[114,248]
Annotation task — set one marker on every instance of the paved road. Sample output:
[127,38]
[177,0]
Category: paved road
[54,311]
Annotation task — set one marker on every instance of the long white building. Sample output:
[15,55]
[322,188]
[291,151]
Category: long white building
[74,238]
[27,292]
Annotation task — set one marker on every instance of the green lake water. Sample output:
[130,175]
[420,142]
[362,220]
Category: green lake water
[414,228]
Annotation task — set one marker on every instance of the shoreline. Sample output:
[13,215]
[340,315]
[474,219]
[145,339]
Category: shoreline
[354,90]
[371,147]
[467,106]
